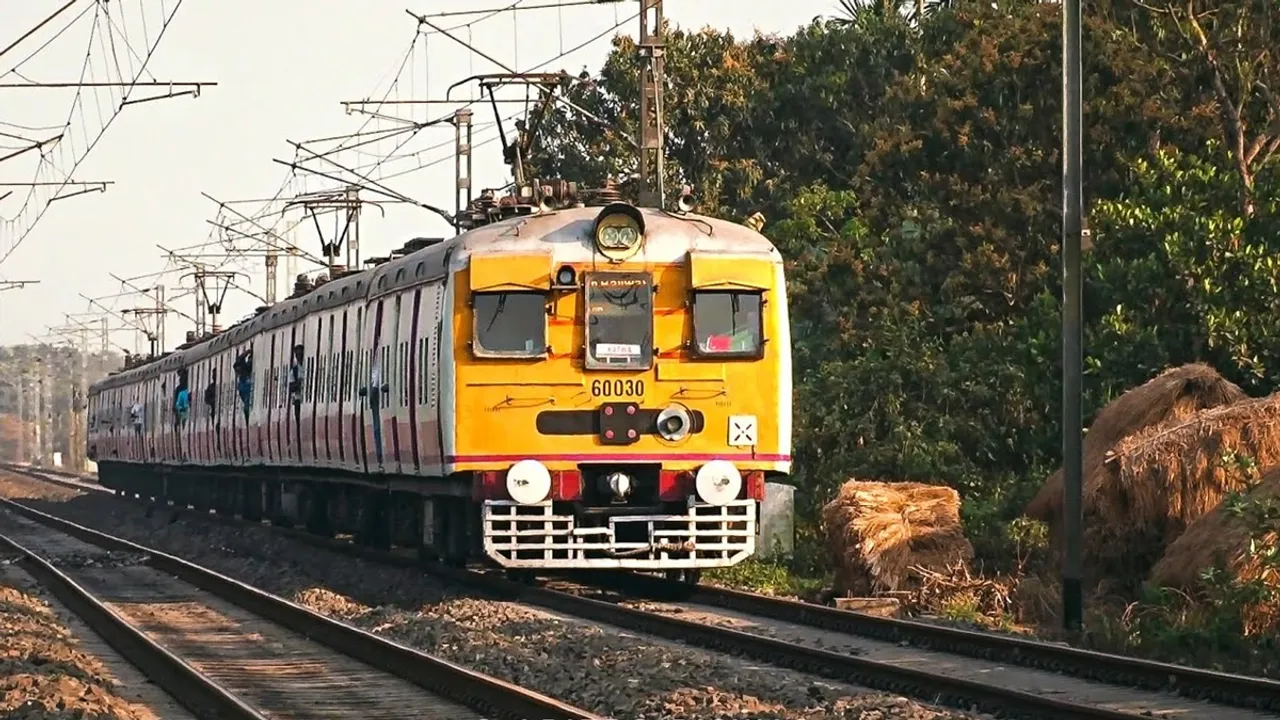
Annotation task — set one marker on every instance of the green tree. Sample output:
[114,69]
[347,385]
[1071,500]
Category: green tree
[1225,54]
[910,174]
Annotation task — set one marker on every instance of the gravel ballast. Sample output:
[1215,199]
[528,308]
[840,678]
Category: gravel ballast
[599,668]
[44,670]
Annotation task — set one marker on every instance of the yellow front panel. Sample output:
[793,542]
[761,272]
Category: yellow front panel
[510,272]
[499,400]
[713,271]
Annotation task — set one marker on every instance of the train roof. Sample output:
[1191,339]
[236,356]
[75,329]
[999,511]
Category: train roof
[565,233]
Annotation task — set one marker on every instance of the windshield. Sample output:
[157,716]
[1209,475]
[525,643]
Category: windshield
[727,323]
[511,323]
[619,320]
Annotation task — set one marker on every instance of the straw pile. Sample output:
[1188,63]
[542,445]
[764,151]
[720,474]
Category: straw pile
[1158,482]
[1227,541]
[878,531]
[1173,395]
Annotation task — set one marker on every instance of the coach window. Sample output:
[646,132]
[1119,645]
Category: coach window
[728,324]
[510,324]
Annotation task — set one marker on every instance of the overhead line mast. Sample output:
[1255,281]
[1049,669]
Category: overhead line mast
[652,48]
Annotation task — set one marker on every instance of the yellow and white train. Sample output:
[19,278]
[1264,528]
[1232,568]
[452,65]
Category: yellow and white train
[588,387]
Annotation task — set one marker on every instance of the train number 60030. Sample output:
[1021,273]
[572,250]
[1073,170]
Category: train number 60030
[617,388]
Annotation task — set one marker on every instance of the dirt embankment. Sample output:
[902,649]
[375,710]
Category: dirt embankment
[44,673]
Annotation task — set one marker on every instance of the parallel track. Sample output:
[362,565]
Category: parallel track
[1222,688]
[301,680]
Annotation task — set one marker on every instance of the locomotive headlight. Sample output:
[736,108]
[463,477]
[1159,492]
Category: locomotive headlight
[528,482]
[619,231]
[718,482]
[674,423]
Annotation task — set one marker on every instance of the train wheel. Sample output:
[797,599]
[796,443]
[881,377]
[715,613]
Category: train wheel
[685,582]
[524,577]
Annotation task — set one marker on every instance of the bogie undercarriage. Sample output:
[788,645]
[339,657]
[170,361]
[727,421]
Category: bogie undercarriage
[446,527]
[439,527]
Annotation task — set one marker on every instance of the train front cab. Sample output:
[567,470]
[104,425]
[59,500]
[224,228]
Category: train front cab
[612,419]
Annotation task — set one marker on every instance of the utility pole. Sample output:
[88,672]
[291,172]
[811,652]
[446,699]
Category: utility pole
[652,49]
[24,382]
[461,165]
[155,334]
[273,265]
[76,431]
[1072,318]
[44,413]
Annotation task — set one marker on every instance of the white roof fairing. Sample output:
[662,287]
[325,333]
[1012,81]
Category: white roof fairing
[566,233]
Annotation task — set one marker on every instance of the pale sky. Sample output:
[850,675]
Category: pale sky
[282,68]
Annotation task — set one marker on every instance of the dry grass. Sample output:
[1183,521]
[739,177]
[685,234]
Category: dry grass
[1173,395]
[1158,482]
[877,531]
[1233,540]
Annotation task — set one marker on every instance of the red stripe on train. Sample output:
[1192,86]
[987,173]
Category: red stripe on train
[623,457]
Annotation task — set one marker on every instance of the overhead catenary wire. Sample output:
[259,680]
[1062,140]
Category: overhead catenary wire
[385,167]
[37,203]
[434,162]
[290,177]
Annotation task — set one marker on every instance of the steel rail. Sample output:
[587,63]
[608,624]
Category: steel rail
[191,688]
[491,696]
[1197,683]
[1117,670]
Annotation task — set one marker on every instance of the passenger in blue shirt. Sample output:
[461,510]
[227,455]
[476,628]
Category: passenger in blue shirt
[181,399]
[244,381]
[182,404]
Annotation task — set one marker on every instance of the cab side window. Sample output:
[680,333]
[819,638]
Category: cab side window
[512,324]
[728,323]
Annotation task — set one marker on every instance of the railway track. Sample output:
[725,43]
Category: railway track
[226,650]
[1056,682]
[1195,683]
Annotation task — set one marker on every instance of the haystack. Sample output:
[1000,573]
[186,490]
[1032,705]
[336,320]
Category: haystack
[1158,482]
[1225,541]
[1173,395]
[877,531]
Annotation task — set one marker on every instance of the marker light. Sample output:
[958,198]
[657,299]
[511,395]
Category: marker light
[528,482]
[718,482]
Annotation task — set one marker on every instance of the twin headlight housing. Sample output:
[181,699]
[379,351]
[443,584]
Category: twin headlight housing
[618,231]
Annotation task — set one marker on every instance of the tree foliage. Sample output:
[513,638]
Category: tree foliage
[21,365]
[909,165]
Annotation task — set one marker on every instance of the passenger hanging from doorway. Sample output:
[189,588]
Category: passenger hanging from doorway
[181,406]
[211,402]
[375,403]
[135,419]
[295,395]
[243,368]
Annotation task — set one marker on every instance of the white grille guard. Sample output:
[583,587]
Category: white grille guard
[707,536]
